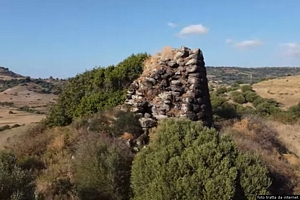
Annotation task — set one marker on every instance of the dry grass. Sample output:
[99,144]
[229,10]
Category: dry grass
[20,117]
[284,90]
[289,135]
[152,62]
[51,149]
[22,96]
[255,136]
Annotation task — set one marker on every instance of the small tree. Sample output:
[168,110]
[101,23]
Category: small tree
[245,88]
[15,183]
[189,161]
[221,90]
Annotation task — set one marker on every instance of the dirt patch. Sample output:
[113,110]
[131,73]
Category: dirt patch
[23,96]
[7,135]
[289,135]
[19,117]
[284,90]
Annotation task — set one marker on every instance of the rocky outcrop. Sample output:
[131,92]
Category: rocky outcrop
[172,86]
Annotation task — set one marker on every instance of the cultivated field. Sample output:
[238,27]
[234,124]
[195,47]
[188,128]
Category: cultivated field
[284,90]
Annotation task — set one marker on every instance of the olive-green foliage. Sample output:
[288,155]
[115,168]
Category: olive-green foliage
[250,96]
[237,85]
[294,112]
[15,183]
[189,161]
[266,108]
[216,101]
[245,88]
[95,90]
[257,101]
[238,97]
[102,169]
[221,90]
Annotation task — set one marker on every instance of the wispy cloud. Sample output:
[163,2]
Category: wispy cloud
[291,49]
[172,24]
[246,44]
[193,30]
[229,41]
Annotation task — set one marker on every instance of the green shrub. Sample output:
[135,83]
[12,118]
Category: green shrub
[294,112]
[258,100]
[221,90]
[15,183]
[266,108]
[95,90]
[245,88]
[250,96]
[216,101]
[226,111]
[102,168]
[235,84]
[189,161]
[238,97]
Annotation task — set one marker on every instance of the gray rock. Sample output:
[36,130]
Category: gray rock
[194,75]
[129,101]
[159,116]
[147,122]
[147,115]
[172,64]
[176,82]
[193,56]
[165,96]
[191,62]
[151,80]
[131,91]
[139,115]
[192,69]
[139,93]
[179,54]
[186,107]
[196,51]
[193,80]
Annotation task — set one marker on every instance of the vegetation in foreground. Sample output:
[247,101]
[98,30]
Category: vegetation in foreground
[89,159]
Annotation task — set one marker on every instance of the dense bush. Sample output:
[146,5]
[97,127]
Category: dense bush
[221,90]
[294,112]
[189,161]
[250,96]
[95,90]
[103,168]
[15,183]
[257,101]
[245,88]
[216,101]
[238,97]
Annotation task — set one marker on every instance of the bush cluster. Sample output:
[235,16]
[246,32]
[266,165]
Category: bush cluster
[95,90]
[189,161]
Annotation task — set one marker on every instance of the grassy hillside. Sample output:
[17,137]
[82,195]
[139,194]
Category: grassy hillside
[86,147]
[285,90]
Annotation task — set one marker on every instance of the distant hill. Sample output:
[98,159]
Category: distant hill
[229,75]
[6,74]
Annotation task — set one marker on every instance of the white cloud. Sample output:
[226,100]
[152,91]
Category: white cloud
[246,44]
[229,41]
[193,29]
[172,24]
[292,49]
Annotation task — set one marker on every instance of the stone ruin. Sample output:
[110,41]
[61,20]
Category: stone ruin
[173,84]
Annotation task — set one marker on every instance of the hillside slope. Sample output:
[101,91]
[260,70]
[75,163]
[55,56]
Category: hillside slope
[285,90]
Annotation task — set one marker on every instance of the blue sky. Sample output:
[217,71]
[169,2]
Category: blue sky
[65,37]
